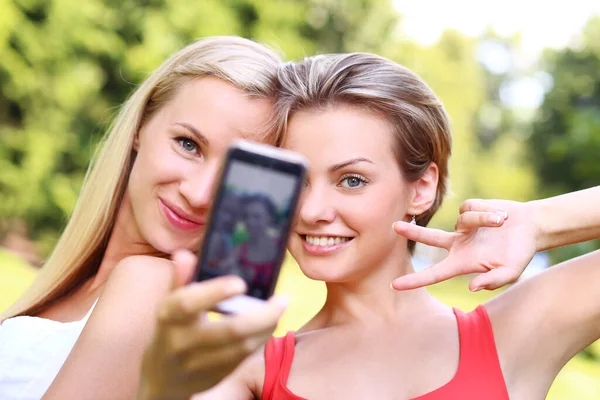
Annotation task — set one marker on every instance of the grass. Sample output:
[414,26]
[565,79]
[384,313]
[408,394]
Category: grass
[15,276]
[579,379]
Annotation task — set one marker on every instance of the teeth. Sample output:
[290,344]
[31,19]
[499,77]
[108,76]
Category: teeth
[325,240]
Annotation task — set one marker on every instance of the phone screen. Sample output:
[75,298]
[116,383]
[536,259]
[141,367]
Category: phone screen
[250,222]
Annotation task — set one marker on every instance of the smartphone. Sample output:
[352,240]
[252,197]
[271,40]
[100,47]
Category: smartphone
[251,218]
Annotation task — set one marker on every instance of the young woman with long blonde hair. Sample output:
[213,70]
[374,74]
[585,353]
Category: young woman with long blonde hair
[146,195]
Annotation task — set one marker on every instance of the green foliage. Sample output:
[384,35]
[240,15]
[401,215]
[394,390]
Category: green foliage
[565,143]
[565,140]
[65,66]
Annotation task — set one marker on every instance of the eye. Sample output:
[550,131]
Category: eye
[352,181]
[188,145]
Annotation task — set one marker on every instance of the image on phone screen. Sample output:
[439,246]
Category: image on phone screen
[250,225]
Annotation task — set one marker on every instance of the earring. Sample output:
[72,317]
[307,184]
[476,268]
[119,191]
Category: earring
[413,220]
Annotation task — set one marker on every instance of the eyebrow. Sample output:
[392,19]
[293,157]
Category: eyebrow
[194,131]
[353,161]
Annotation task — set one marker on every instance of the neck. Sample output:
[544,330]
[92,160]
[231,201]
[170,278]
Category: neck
[125,241]
[369,299]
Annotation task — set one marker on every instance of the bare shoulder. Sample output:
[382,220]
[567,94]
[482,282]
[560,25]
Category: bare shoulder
[131,295]
[147,269]
[107,356]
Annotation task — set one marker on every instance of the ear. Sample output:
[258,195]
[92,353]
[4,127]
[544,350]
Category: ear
[424,191]
[136,142]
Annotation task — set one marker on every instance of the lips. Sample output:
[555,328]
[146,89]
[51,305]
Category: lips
[180,219]
[313,246]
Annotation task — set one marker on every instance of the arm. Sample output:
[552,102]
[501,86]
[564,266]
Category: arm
[539,323]
[542,322]
[559,308]
[191,354]
[245,383]
[567,219]
[106,359]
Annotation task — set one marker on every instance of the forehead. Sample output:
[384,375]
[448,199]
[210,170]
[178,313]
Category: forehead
[218,107]
[339,133]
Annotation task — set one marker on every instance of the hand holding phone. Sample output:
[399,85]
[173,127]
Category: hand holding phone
[190,353]
[249,225]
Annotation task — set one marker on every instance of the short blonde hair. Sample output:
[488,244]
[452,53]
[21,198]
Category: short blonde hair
[247,65]
[419,122]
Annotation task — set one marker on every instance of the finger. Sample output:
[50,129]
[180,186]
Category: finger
[480,206]
[428,236]
[208,369]
[477,219]
[494,279]
[238,327]
[185,264]
[437,273]
[225,357]
[185,303]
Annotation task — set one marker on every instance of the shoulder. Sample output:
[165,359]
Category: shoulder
[139,278]
[131,296]
[142,267]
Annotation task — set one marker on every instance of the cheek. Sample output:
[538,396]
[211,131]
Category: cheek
[151,168]
[374,221]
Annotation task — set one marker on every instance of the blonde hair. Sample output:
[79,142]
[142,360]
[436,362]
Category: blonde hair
[419,122]
[243,63]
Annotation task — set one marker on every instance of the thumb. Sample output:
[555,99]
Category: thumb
[494,279]
[185,264]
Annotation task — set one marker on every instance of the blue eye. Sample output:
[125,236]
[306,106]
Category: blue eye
[353,181]
[187,144]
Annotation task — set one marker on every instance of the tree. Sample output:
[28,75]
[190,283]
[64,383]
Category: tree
[66,65]
[565,139]
[565,143]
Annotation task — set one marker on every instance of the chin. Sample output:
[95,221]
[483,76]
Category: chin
[168,244]
[326,270]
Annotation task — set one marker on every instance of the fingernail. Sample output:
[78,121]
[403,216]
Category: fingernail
[238,286]
[504,214]
[283,301]
[477,289]
[495,219]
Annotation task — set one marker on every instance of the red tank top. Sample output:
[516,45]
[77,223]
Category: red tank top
[478,375]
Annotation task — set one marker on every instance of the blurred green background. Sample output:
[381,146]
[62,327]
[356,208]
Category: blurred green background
[525,125]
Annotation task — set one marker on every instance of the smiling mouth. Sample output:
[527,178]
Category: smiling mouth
[325,241]
[178,220]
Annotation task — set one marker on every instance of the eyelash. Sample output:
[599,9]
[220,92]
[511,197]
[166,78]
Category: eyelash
[181,139]
[363,181]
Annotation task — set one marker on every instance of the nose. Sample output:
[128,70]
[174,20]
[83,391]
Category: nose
[315,207]
[199,187]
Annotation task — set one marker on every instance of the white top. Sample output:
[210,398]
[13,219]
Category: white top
[32,351]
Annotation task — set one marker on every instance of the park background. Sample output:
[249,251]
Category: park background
[520,80]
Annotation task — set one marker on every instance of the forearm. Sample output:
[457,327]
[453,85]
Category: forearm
[567,219]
